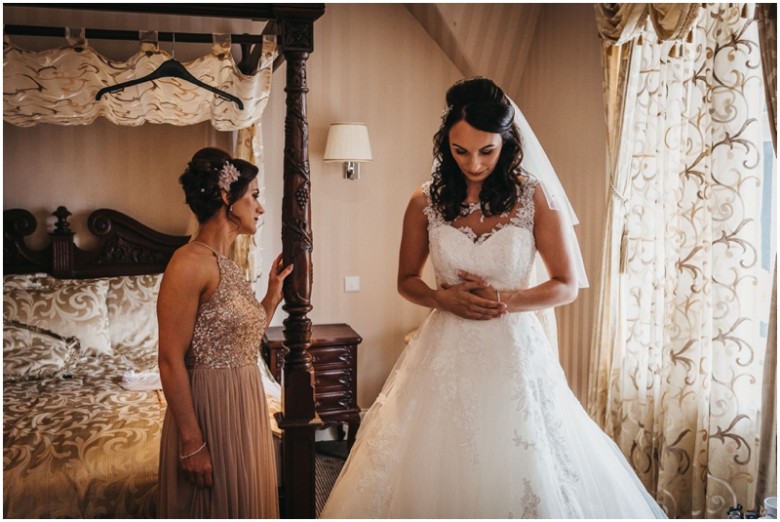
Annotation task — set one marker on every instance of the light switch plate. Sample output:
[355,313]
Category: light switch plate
[352,284]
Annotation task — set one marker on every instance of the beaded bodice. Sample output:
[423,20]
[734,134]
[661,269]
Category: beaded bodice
[230,325]
[503,255]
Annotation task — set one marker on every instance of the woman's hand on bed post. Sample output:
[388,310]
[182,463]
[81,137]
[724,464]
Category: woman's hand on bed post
[273,295]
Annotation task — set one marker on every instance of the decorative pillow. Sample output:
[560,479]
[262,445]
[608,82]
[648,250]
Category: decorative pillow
[30,352]
[37,280]
[132,312]
[71,308]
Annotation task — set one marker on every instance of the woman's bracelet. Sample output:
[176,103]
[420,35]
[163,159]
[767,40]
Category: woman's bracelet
[185,457]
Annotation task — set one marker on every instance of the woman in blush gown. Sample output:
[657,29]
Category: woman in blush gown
[217,458]
[476,419]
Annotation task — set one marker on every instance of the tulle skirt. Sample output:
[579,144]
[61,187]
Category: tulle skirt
[476,420]
[231,410]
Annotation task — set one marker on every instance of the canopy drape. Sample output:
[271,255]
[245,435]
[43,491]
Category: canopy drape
[59,86]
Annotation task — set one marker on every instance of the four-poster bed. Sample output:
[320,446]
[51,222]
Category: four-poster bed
[139,254]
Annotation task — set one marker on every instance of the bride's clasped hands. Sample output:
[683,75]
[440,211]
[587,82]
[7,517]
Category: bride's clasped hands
[474,298]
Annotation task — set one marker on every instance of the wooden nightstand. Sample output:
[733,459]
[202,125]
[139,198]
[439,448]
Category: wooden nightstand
[334,355]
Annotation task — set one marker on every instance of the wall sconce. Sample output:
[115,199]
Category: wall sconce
[348,142]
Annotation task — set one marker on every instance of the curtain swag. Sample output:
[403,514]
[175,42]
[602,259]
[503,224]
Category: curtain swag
[621,23]
[59,86]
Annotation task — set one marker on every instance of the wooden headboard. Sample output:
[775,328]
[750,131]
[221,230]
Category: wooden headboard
[124,246]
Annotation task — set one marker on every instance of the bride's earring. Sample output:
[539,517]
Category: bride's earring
[230,209]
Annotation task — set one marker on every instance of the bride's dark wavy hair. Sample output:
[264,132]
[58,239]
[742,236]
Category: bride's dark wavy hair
[483,105]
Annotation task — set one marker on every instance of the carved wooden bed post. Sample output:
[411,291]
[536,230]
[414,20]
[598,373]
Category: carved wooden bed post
[299,420]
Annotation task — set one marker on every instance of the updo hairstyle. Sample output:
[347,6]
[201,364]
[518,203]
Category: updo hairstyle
[483,105]
[200,181]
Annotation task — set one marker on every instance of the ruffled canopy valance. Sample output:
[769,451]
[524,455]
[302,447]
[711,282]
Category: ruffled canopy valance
[59,86]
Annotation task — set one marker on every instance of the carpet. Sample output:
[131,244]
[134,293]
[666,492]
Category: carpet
[328,461]
[333,448]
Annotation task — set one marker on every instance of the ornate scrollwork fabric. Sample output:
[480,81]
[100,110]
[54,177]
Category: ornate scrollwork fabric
[132,313]
[81,447]
[621,23]
[31,353]
[71,308]
[677,381]
[59,86]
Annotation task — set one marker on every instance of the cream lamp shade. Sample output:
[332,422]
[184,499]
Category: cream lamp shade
[348,142]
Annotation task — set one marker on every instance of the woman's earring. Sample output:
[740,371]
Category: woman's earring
[230,209]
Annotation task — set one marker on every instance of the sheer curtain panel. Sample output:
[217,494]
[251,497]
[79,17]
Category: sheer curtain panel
[678,369]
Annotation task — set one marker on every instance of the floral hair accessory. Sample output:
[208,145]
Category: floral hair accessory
[227,175]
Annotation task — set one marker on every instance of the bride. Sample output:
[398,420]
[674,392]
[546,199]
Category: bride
[476,420]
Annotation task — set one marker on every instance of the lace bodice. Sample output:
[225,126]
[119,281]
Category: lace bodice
[230,325]
[503,256]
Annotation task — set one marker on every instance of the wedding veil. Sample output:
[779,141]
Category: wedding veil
[536,164]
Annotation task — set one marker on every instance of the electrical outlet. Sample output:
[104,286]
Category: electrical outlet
[352,284]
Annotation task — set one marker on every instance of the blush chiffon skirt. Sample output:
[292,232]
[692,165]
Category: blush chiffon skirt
[232,413]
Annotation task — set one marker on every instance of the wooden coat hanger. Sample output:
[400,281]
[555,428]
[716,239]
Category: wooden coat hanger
[171,68]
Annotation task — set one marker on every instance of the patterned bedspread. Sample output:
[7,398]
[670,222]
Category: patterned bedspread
[81,446]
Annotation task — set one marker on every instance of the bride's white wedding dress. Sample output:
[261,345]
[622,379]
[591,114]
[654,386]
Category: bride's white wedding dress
[476,420]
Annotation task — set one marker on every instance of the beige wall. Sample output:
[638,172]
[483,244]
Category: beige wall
[372,63]
[561,96]
[133,170]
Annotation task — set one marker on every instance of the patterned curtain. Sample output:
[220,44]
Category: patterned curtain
[678,367]
[620,26]
[59,86]
[617,62]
